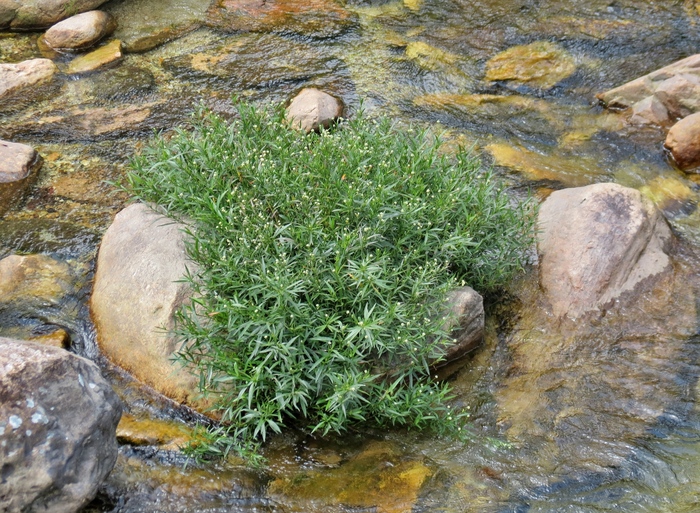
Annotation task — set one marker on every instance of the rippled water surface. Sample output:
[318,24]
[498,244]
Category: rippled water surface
[594,418]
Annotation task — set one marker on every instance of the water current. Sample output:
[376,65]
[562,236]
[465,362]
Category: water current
[594,419]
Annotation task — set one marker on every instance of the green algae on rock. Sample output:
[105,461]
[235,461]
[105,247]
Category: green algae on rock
[541,64]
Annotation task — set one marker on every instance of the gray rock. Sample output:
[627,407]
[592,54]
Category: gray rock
[41,13]
[467,309]
[683,140]
[595,243]
[32,73]
[137,291]
[19,165]
[312,109]
[58,420]
[80,31]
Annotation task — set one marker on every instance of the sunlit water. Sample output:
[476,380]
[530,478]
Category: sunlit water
[565,418]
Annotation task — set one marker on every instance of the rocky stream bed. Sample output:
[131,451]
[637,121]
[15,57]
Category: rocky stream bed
[584,389]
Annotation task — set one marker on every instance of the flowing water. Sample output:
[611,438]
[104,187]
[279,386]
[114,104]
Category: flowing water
[593,418]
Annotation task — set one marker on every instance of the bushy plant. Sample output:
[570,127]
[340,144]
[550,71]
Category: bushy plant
[324,262]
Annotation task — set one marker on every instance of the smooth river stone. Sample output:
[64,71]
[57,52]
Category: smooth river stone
[19,165]
[17,77]
[80,31]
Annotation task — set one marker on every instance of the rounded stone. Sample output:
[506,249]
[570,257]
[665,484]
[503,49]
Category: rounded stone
[683,140]
[312,109]
[80,31]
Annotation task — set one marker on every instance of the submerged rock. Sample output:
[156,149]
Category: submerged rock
[541,64]
[136,292]
[36,279]
[596,243]
[312,109]
[80,31]
[312,18]
[15,78]
[107,54]
[146,24]
[19,165]
[41,13]
[58,418]
[683,140]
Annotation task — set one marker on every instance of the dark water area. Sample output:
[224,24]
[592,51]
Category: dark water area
[596,418]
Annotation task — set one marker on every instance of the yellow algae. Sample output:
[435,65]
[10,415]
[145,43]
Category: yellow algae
[414,5]
[165,434]
[429,57]
[572,172]
[669,192]
[376,478]
[541,64]
[104,55]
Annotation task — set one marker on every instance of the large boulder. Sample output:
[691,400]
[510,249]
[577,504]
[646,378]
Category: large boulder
[58,419]
[138,288]
[80,31]
[312,109]
[19,165]
[596,243]
[683,141]
[41,13]
[15,78]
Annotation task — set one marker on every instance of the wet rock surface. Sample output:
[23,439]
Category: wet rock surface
[595,243]
[41,13]
[137,291]
[467,309]
[19,165]
[103,56]
[541,64]
[80,31]
[53,459]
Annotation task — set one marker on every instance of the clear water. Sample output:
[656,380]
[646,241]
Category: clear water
[593,418]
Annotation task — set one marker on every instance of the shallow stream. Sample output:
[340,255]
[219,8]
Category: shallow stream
[597,418]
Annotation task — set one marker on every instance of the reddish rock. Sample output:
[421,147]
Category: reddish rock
[683,140]
[80,31]
[680,94]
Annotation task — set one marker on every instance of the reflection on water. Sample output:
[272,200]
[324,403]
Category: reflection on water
[577,418]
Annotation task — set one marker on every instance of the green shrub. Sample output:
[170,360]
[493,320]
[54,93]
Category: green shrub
[324,262]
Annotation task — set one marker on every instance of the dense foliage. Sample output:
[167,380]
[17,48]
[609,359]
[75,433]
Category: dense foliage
[323,265]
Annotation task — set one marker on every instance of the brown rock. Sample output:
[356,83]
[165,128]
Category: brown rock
[17,77]
[680,94]
[19,165]
[649,111]
[137,290]
[59,338]
[41,13]
[312,109]
[107,54]
[311,18]
[630,93]
[58,418]
[80,31]
[595,243]
[683,140]
[36,278]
